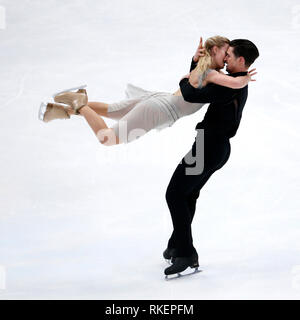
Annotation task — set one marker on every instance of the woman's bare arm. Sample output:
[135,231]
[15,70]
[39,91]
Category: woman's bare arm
[194,78]
[228,81]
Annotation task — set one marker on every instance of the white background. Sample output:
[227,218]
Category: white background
[81,220]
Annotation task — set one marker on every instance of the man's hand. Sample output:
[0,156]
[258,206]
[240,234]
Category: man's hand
[199,52]
[250,74]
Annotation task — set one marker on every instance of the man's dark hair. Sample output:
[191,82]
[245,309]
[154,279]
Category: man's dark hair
[245,48]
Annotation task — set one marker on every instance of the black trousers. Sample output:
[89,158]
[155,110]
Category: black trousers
[184,188]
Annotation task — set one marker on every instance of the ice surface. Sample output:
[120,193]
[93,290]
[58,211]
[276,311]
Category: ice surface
[81,220]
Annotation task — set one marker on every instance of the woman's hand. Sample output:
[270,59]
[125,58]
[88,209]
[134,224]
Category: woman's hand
[250,74]
[199,52]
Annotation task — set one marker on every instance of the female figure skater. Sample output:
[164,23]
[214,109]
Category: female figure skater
[147,110]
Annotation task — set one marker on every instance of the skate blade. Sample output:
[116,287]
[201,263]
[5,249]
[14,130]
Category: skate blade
[70,89]
[42,110]
[181,275]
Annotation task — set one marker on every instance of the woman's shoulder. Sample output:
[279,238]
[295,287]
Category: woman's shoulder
[211,71]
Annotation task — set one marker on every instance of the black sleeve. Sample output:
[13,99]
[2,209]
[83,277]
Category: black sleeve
[193,65]
[209,93]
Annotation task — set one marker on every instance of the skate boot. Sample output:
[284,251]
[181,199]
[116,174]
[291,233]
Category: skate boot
[70,89]
[182,263]
[169,254]
[75,99]
[52,111]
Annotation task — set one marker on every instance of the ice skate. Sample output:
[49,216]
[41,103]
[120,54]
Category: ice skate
[70,89]
[181,264]
[74,99]
[52,111]
[169,254]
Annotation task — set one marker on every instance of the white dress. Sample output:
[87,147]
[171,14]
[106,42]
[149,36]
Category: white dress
[146,110]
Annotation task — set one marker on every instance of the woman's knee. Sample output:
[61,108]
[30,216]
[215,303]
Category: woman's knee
[107,137]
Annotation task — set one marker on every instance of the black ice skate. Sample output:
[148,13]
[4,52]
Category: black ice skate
[182,263]
[169,254]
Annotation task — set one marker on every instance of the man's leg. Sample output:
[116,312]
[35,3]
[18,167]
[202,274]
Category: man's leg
[183,192]
[191,200]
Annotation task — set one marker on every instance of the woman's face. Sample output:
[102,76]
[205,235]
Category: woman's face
[218,56]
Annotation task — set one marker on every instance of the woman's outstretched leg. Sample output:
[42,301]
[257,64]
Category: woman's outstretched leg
[100,108]
[144,115]
[118,110]
[79,103]
[105,135]
[114,111]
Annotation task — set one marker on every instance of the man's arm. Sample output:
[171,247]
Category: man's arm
[193,65]
[209,93]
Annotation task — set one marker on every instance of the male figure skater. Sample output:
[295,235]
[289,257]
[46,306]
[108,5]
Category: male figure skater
[220,123]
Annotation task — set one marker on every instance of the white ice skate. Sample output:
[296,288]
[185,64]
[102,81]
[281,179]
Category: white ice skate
[70,90]
[52,111]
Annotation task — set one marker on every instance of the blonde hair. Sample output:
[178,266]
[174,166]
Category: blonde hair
[205,62]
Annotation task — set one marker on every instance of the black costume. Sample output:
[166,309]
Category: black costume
[220,123]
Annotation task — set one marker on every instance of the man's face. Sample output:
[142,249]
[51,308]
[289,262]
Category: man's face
[219,56]
[230,60]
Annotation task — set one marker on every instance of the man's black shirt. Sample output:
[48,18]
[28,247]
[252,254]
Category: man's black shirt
[224,113]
